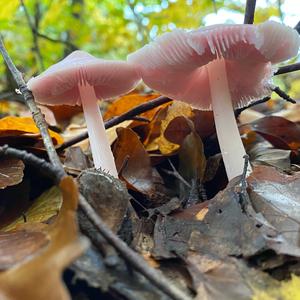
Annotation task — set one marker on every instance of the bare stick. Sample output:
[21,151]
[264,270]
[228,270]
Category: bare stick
[288,69]
[283,95]
[117,120]
[36,113]
[48,169]
[154,276]
[249,12]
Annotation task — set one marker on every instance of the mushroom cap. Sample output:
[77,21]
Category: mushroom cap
[174,64]
[59,83]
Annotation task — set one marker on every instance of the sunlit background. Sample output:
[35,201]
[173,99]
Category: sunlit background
[38,33]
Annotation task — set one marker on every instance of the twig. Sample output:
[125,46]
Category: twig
[283,95]
[288,69]
[36,113]
[48,169]
[58,41]
[34,35]
[154,276]
[238,111]
[249,12]
[117,120]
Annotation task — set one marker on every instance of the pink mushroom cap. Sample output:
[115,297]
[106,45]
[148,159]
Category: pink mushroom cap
[59,83]
[174,64]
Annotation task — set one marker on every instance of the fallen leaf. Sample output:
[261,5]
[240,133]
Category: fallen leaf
[43,208]
[11,172]
[276,196]
[264,153]
[18,246]
[133,161]
[192,162]
[160,143]
[20,282]
[214,278]
[281,133]
[16,126]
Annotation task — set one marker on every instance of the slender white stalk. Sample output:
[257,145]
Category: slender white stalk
[101,152]
[228,134]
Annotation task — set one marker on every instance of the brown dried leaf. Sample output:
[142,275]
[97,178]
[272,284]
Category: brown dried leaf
[161,143]
[19,245]
[281,133]
[215,278]
[21,281]
[133,161]
[11,172]
[276,196]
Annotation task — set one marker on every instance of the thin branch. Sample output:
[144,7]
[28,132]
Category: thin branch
[249,12]
[154,276]
[117,120]
[36,112]
[58,41]
[283,95]
[34,36]
[288,69]
[238,111]
[48,169]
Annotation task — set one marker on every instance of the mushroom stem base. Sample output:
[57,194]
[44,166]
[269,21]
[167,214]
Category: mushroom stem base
[101,152]
[227,131]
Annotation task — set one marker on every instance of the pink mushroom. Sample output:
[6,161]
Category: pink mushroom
[82,79]
[218,68]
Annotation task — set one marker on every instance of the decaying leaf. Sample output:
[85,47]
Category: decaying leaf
[215,278]
[161,143]
[25,280]
[192,164]
[43,208]
[263,153]
[133,161]
[281,133]
[16,126]
[11,172]
[277,197]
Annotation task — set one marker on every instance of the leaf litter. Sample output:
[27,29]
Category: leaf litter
[214,242]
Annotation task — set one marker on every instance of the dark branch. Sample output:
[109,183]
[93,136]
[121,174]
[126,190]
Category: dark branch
[283,95]
[36,112]
[46,168]
[288,69]
[117,120]
[154,276]
[57,41]
[238,111]
[249,12]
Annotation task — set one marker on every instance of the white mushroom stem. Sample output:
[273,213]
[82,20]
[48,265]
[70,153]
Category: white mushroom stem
[227,131]
[101,152]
